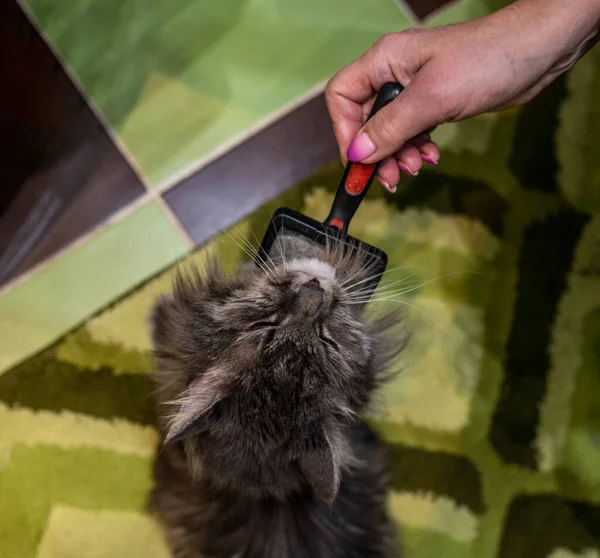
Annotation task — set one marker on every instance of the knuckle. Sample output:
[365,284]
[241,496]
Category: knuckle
[411,32]
[332,83]
[386,41]
[396,39]
[399,54]
[329,92]
[332,89]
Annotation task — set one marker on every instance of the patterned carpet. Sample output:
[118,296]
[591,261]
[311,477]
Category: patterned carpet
[493,425]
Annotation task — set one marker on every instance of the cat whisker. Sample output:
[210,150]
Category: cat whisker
[361,269]
[270,260]
[238,244]
[389,292]
[251,252]
[415,308]
[390,295]
[375,276]
[246,242]
[387,296]
[282,250]
[380,290]
[358,273]
[259,262]
[254,235]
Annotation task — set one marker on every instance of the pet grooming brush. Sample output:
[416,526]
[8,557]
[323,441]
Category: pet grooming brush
[353,187]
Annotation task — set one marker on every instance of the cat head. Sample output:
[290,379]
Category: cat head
[265,369]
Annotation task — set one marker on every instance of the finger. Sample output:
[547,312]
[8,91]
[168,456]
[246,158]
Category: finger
[409,159]
[347,118]
[422,105]
[350,94]
[345,96]
[430,152]
[389,174]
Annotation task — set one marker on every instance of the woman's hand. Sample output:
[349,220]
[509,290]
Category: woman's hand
[451,73]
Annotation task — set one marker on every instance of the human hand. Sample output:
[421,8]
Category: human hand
[451,73]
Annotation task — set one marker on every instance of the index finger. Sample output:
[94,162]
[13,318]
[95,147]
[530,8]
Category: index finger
[349,94]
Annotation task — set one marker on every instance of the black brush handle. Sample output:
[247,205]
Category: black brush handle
[357,176]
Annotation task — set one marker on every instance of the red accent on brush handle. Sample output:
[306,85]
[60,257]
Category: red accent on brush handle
[358,177]
[337,223]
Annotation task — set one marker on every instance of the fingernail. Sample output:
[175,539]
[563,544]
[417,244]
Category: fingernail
[404,168]
[429,159]
[361,148]
[390,189]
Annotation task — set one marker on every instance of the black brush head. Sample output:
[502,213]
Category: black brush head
[286,221]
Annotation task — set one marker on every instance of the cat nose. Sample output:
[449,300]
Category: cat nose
[310,298]
[314,285]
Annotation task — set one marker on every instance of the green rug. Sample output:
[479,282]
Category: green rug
[493,425]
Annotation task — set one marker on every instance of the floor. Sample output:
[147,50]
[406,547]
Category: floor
[492,421]
[183,125]
[492,424]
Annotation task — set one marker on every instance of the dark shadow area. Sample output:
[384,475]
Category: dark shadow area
[424,8]
[60,172]
[549,522]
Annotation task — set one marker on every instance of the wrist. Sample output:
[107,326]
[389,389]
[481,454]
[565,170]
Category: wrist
[550,35]
[566,24]
[577,29]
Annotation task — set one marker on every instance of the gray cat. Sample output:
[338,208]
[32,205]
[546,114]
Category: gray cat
[262,378]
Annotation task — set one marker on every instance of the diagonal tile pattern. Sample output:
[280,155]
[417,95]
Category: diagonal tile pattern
[61,174]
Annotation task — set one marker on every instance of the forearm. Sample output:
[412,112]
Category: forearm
[561,29]
[454,72]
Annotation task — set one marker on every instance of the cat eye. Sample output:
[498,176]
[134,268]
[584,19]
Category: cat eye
[325,336]
[273,321]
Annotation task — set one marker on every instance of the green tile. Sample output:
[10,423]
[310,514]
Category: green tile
[173,125]
[177,79]
[465,10]
[83,280]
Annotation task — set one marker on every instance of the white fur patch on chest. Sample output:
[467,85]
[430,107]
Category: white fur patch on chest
[313,267]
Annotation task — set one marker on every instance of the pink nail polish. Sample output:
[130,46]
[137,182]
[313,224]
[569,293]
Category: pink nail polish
[404,168]
[390,189]
[361,148]
[429,159]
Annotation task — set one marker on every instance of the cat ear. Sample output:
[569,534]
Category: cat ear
[201,396]
[319,467]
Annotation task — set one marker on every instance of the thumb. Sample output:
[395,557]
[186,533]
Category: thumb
[420,107]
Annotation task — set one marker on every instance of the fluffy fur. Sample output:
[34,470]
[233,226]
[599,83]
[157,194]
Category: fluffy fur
[262,378]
